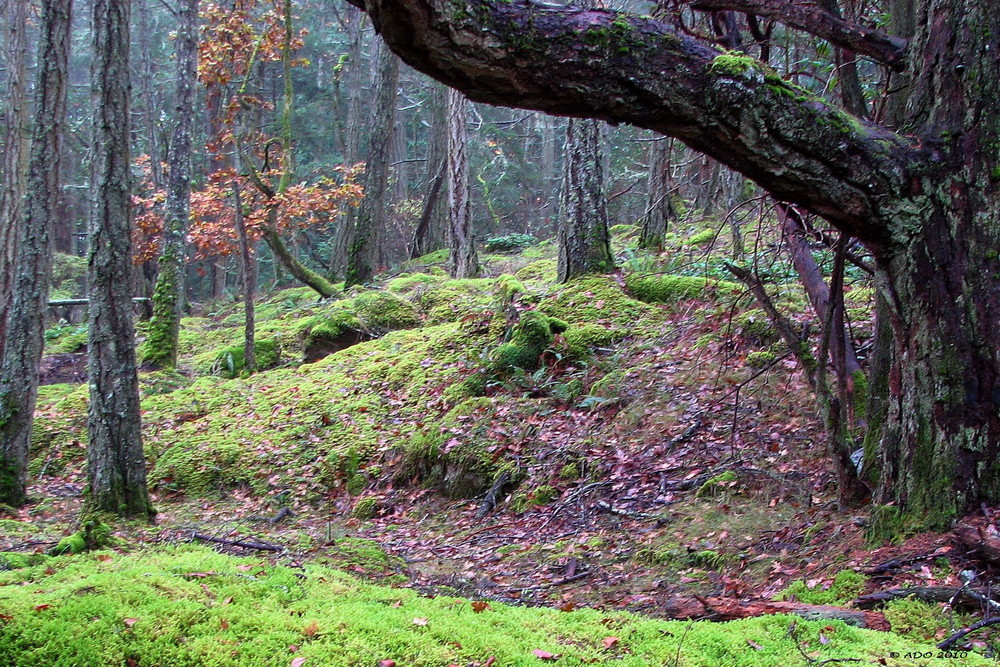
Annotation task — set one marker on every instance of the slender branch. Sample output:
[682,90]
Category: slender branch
[815,20]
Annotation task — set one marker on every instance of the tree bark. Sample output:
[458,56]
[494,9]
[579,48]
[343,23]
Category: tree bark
[15,152]
[23,346]
[249,274]
[432,228]
[160,349]
[659,206]
[584,242]
[463,261]
[116,463]
[370,222]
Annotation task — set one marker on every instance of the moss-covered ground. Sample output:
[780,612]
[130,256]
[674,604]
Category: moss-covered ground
[641,435]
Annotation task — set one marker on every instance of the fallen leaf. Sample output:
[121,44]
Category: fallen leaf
[42,607]
[224,623]
[567,606]
[489,661]
[420,621]
[610,641]
[479,606]
[130,621]
[387,663]
[823,639]
[104,558]
[544,655]
[297,662]
[311,629]
[755,645]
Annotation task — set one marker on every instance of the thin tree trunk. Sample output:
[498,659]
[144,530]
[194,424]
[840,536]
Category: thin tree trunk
[24,343]
[15,156]
[116,463]
[432,227]
[370,222]
[584,242]
[160,349]
[463,262]
[249,283]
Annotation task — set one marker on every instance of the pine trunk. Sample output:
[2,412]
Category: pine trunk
[659,207]
[463,262]
[584,242]
[116,464]
[24,343]
[362,255]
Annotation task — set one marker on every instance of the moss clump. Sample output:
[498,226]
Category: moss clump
[704,237]
[846,586]
[716,485]
[11,560]
[364,508]
[599,300]
[671,289]
[66,339]
[93,534]
[510,244]
[531,336]
[540,271]
[582,339]
[231,362]
[732,64]
[385,311]
[331,332]
[755,326]
[761,359]
[409,283]
[623,230]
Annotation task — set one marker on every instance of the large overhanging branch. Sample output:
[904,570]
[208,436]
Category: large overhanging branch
[626,69]
[815,20]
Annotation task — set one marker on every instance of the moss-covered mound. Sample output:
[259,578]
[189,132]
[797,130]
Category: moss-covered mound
[192,606]
[671,289]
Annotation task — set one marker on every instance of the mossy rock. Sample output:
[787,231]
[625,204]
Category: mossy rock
[761,359]
[530,337]
[704,237]
[671,289]
[623,230]
[365,508]
[755,326]
[846,586]
[231,362]
[455,458]
[385,311]
[323,335]
[599,300]
[410,283]
[583,339]
[540,271]
[716,485]
[93,534]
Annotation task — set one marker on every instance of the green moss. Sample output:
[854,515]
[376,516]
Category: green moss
[364,508]
[920,621]
[407,284]
[761,359]
[599,300]
[69,277]
[624,230]
[718,484]
[93,534]
[704,237]
[755,326]
[386,311]
[166,605]
[582,339]
[846,586]
[732,64]
[530,337]
[231,362]
[671,289]
[512,243]
[541,271]
[11,560]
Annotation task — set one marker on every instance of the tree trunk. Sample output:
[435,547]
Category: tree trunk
[432,228]
[584,242]
[22,349]
[116,464]
[659,207]
[249,267]
[160,349]
[463,261]
[15,153]
[370,223]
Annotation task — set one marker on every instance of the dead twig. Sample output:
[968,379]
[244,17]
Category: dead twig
[951,641]
[261,546]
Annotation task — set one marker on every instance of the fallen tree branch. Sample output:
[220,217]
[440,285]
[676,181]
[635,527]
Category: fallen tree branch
[955,596]
[951,641]
[729,609]
[237,543]
[987,546]
[552,584]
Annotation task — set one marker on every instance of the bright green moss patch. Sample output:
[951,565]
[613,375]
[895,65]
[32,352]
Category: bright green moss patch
[190,606]
[582,339]
[540,271]
[846,586]
[671,289]
[599,300]
[704,237]
[231,362]
[385,311]
[530,337]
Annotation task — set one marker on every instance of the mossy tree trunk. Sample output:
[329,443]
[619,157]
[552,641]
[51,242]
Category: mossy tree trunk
[659,205]
[362,254]
[160,349]
[584,242]
[432,228]
[925,201]
[22,349]
[15,151]
[116,463]
[463,261]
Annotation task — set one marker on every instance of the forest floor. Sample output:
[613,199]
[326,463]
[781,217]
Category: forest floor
[698,477]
